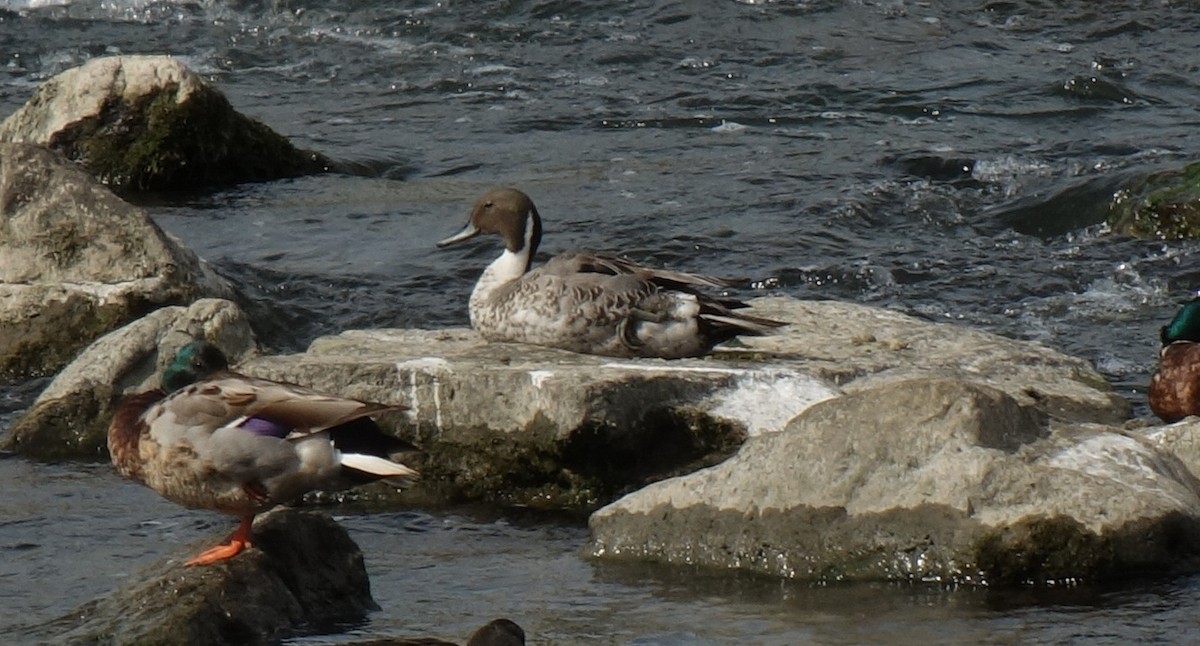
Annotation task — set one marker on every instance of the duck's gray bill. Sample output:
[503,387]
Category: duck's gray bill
[466,234]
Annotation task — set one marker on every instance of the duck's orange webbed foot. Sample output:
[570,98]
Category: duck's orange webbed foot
[239,541]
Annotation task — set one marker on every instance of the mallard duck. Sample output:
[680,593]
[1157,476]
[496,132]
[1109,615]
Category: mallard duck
[1175,387]
[215,439]
[590,303]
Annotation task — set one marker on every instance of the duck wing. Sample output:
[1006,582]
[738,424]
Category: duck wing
[226,418]
[586,262]
[637,282]
[300,410]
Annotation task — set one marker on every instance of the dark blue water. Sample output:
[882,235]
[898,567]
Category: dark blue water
[947,160]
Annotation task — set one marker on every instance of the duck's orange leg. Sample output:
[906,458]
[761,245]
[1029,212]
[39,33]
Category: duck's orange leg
[239,541]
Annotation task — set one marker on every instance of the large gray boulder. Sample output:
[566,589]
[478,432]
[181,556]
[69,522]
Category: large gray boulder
[70,418]
[149,123]
[76,262]
[860,347]
[539,426]
[925,478]
[304,574]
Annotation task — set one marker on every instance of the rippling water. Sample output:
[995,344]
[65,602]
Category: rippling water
[948,160]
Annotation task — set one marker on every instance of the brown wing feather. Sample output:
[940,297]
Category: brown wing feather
[305,410]
[582,262]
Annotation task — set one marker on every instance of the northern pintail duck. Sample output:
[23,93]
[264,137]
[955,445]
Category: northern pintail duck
[215,439]
[1174,391]
[589,303]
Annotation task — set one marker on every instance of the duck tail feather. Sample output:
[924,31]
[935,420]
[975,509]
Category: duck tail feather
[744,323]
[376,466]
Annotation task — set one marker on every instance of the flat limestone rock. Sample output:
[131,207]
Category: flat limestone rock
[858,347]
[76,262]
[924,479]
[70,418]
[148,123]
[303,575]
[541,426]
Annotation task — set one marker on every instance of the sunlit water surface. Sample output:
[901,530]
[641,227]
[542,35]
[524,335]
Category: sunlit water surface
[948,160]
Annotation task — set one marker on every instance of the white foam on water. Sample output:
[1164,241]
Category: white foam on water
[729,126]
[657,367]
[766,400]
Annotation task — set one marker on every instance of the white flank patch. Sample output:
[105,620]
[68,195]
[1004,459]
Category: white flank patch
[766,400]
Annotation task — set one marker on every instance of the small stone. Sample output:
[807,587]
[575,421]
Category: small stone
[303,575]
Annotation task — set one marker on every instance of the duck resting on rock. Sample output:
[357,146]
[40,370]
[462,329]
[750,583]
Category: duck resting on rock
[590,303]
[214,439]
[1174,391]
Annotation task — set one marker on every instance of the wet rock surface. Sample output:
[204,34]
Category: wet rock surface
[147,123]
[303,575]
[866,445]
[922,479]
[537,426]
[498,632]
[1161,205]
[76,262]
[530,426]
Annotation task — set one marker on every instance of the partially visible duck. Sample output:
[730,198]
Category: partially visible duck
[591,303]
[498,632]
[1175,387]
[215,439]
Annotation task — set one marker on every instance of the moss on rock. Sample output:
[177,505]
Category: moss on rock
[159,143]
[147,123]
[1163,205]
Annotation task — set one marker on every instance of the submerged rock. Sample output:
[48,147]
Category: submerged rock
[1163,205]
[497,632]
[76,262]
[926,479]
[71,416]
[147,123]
[303,575]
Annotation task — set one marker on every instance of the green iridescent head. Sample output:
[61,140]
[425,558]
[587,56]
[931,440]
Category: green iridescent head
[1185,326]
[194,361]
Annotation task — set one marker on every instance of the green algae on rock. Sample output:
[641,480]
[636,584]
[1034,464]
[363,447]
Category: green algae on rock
[1163,205]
